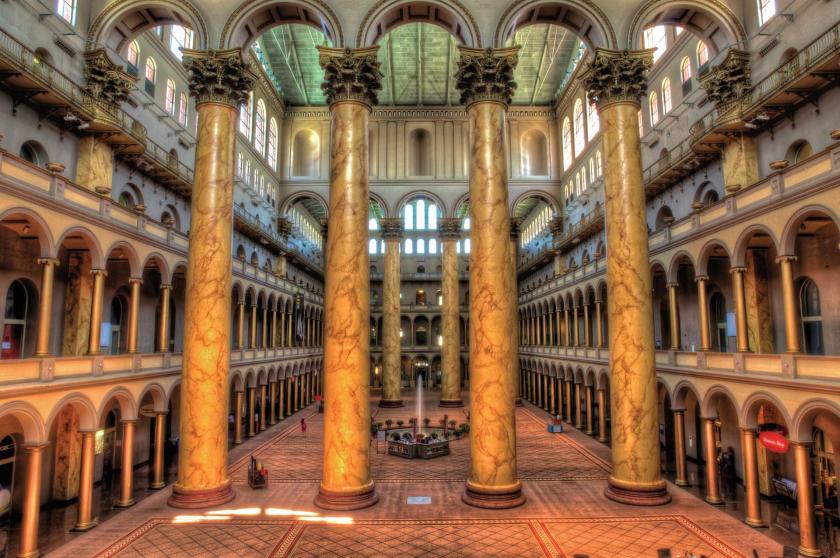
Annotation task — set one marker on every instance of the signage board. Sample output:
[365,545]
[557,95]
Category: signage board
[774,441]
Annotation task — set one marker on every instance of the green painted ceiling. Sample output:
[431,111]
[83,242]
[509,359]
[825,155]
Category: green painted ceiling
[419,61]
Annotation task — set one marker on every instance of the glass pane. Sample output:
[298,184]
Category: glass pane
[408,214]
[372,246]
[432,216]
[421,246]
[433,246]
[421,215]
[409,246]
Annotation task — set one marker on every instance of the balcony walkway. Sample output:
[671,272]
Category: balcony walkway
[566,513]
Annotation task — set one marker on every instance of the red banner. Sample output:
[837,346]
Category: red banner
[774,441]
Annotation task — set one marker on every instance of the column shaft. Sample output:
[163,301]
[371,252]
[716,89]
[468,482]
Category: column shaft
[84,518]
[578,408]
[702,303]
[133,314]
[272,403]
[586,338]
[590,429]
[31,502]
[808,545]
[712,477]
[127,466]
[568,386]
[240,325]
[252,411]
[163,326]
[42,342]
[450,395]
[790,306]
[602,416]
[391,363]
[95,332]
[599,334]
[742,338]
[262,407]
[252,334]
[679,450]
[157,459]
[674,314]
[751,489]
[237,417]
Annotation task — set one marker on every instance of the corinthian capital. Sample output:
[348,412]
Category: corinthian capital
[105,81]
[392,228]
[729,80]
[449,228]
[350,74]
[219,76]
[486,74]
[616,76]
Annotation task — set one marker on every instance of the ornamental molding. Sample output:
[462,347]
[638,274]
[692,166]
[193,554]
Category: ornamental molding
[486,74]
[556,227]
[615,76]
[515,223]
[350,74]
[391,228]
[105,81]
[449,228]
[284,227]
[219,76]
[730,80]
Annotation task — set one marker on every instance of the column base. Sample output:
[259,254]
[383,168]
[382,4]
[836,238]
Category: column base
[604,440]
[197,499]
[237,442]
[683,483]
[125,503]
[391,403]
[756,523]
[493,498]
[714,501]
[809,552]
[157,485]
[359,499]
[33,554]
[651,495]
[86,526]
[451,403]
[590,432]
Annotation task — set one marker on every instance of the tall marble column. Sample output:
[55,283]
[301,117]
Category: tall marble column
[710,449]
[808,545]
[703,307]
[616,81]
[95,334]
[351,82]
[84,518]
[163,325]
[741,336]
[790,307]
[392,233]
[133,314]
[514,296]
[679,450]
[127,465]
[449,231]
[674,316]
[220,82]
[42,342]
[751,489]
[485,79]
[31,501]
[158,460]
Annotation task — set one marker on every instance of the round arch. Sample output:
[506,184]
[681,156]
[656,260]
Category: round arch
[379,200]
[419,194]
[548,198]
[702,267]
[803,421]
[130,254]
[719,390]
[290,201]
[254,17]
[160,402]
[788,242]
[162,264]
[96,255]
[37,225]
[449,15]
[739,254]
[582,17]
[679,391]
[125,401]
[29,418]
[83,406]
[748,409]
[677,260]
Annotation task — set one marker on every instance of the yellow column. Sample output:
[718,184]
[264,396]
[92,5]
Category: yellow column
[282,332]
[298,383]
[559,320]
[237,417]
[351,82]
[679,438]
[586,340]
[578,408]
[568,387]
[484,77]
[808,545]
[31,501]
[712,485]
[262,407]
[264,336]
[576,332]
[290,387]
[157,460]
[674,313]
[252,334]
[392,233]
[42,342]
[742,338]
[163,326]
[95,334]
[220,82]
[134,313]
[568,333]
[281,406]
[616,80]
[252,411]
[449,231]
[703,307]
[127,465]
[272,403]
[515,324]
[789,300]
[240,325]
[84,518]
[95,165]
[602,416]
[273,328]
[590,429]
[599,333]
[751,489]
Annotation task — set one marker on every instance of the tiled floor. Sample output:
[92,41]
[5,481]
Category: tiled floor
[566,513]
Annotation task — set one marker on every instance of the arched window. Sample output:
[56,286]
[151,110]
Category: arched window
[420,152]
[431,223]
[179,37]
[568,156]
[420,215]
[641,124]
[766,10]
[408,217]
[811,314]
[685,69]
[34,152]
[799,151]
[182,109]
[372,246]
[245,116]
[133,55]
[433,246]
[656,37]
[67,10]
[169,102]
[653,104]
[150,74]
[666,96]
[272,143]
[306,153]
[593,122]
[409,246]
[421,246]
[14,321]
[702,54]
[126,200]
[599,167]
[577,185]
[664,217]
[533,154]
[259,128]
[580,133]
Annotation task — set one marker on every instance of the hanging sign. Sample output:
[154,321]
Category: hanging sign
[774,441]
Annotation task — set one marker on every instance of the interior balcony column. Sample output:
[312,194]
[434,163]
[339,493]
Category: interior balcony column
[252,411]
[615,82]
[264,336]
[351,82]
[163,323]
[45,306]
[674,315]
[703,309]
[158,464]
[485,79]
[296,394]
[449,232]
[127,465]
[679,449]
[586,338]
[713,495]
[290,388]
[262,407]
[808,545]
[272,403]
[578,408]
[281,410]
[31,508]
[237,416]
[602,416]
[281,333]
[576,333]
[133,313]
[95,333]
[566,321]
[84,517]
[590,427]
[741,335]
[790,305]
[289,328]
[273,337]
[540,390]
[240,324]
[599,329]
[515,323]
[568,389]
[219,81]
[252,333]
[751,489]
[392,234]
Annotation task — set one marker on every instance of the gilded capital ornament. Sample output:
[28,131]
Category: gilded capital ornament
[615,76]
[449,228]
[284,227]
[486,74]
[219,76]
[392,228]
[105,81]
[514,228]
[350,74]
[556,227]
[729,80]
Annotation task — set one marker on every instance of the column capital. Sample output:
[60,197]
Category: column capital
[737,269]
[34,447]
[48,261]
[678,411]
[102,272]
[556,227]
[699,278]
[130,421]
[486,74]
[672,284]
[165,286]
[514,228]
[350,74]
[219,76]
[729,80]
[786,258]
[391,227]
[616,76]
[449,228]
[105,81]
[138,280]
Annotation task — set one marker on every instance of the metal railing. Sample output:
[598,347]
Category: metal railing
[164,158]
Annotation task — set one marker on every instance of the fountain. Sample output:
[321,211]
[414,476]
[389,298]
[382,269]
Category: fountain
[423,443]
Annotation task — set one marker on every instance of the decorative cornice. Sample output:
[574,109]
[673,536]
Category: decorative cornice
[486,74]
[219,76]
[350,74]
[615,76]
[105,81]
[556,227]
[729,80]
[284,227]
[449,228]
[392,228]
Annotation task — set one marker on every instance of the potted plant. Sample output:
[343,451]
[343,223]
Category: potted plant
[465,427]
[452,424]
[427,421]
[400,423]
[395,436]
[407,436]
[434,435]
[389,423]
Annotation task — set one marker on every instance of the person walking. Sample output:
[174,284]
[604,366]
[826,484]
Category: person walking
[303,427]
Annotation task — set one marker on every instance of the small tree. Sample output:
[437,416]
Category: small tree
[388,423]
[427,421]
[400,423]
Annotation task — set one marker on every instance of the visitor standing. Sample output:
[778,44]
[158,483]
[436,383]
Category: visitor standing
[303,427]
